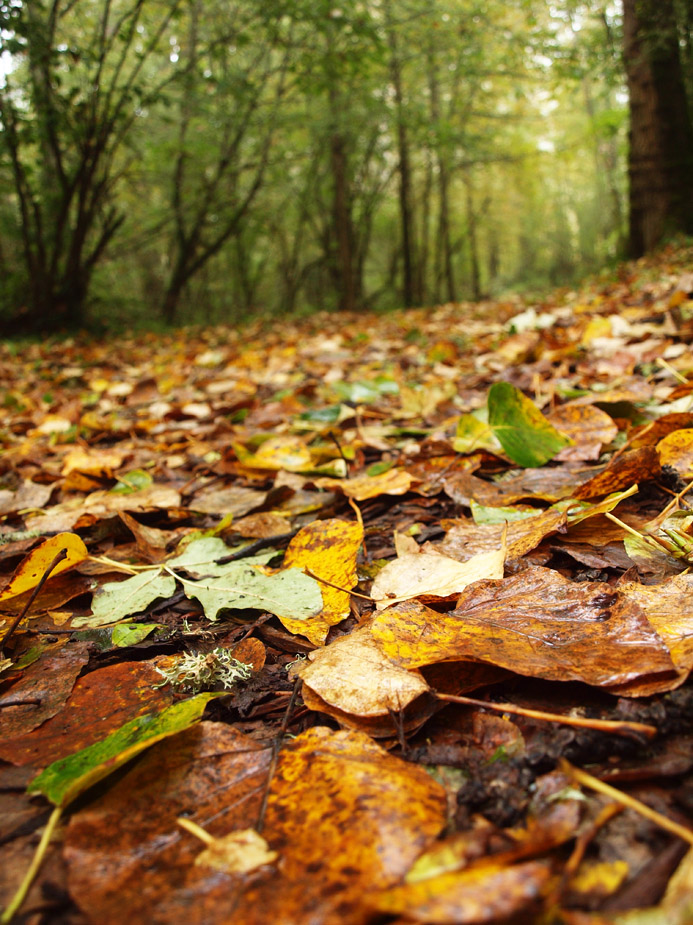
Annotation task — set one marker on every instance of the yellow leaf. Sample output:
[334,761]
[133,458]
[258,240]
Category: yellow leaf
[33,568]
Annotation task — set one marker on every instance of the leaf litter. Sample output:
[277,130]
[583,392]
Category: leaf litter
[354,619]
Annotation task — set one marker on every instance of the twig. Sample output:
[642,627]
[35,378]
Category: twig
[335,439]
[276,745]
[24,887]
[670,369]
[18,619]
[256,546]
[600,725]
[582,777]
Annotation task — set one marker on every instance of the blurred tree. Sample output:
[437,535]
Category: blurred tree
[80,81]
[660,161]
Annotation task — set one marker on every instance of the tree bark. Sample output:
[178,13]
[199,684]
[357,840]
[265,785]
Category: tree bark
[660,164]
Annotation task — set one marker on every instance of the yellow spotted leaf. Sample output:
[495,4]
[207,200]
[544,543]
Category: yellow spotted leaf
[32,569]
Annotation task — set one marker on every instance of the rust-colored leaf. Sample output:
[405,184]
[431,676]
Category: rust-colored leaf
[534,623]
[101,702]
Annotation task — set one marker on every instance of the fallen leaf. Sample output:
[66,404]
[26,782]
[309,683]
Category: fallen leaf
[524,433]
[67,778]
[363,487]
[327,549]
[433,576]
[354,675]
[33,568]
[535,623]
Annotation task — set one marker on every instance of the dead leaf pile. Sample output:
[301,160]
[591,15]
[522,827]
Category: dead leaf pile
[300,623]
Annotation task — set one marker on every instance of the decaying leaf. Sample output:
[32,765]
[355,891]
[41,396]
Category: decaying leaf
[434,576]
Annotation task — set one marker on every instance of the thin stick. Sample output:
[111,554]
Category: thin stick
[21,894]
[582,777]
[18,619]
[195,830]
[675,500]
[276,745]
[670,369]
[601,725]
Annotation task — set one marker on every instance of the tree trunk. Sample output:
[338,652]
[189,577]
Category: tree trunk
[660,164]
[344,265]
[410,296]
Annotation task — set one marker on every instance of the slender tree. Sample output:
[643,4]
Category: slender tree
[81,80]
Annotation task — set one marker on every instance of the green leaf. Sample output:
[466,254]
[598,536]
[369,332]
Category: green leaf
[200,557]
[290,593]
[134,480]
[129,634]
[118,599]
[65,779]
[482,514]
[524,433]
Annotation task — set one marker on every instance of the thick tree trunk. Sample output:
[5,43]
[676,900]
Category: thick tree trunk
[660,164]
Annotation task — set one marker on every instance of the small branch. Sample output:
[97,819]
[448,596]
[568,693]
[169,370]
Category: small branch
[276,745]
[582,777]
[600,725]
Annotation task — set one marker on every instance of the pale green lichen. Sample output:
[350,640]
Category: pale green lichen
[203,671]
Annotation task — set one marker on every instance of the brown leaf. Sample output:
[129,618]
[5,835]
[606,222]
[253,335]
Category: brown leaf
[535,623]
[362,487]
[355,676]
[49,680]
[346,819]
[633,467]
[465,538]
[140,866]
[588,427]
[100,702]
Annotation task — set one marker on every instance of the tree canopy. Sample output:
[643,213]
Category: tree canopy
[198,162]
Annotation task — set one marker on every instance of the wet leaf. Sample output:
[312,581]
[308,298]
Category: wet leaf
[486,893]
[64,780]
[100,702]
[534,623]
[354,675]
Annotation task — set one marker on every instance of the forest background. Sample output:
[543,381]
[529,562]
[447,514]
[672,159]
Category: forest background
[199,161]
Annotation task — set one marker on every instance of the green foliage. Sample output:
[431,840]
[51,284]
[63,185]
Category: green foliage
[201,161]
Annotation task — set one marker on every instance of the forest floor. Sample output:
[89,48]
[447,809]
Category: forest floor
[356,619]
